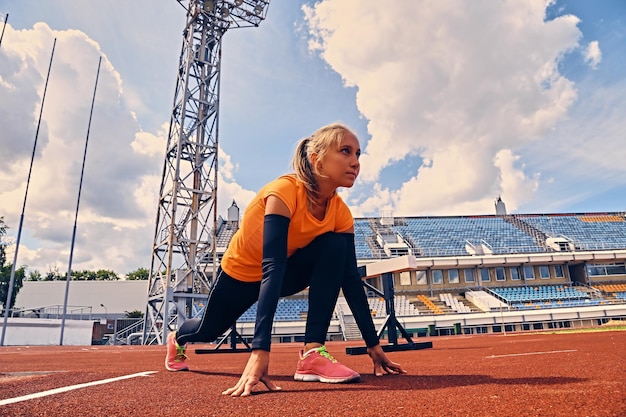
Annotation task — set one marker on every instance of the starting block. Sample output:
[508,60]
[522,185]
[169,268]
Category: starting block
[234,338]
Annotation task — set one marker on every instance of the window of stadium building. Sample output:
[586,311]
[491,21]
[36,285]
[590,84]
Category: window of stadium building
[514,271]
[484,275]
[437,276]
[529,272]
[558,271]
[500,275]
[405,278]
[544,272]
[615,269]
[420,278]
[596,269]
[469,275]
[453,276]
[605,269]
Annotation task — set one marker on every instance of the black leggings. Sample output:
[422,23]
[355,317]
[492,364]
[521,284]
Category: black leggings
[319,266]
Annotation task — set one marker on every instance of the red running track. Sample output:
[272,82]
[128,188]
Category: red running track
[545,374]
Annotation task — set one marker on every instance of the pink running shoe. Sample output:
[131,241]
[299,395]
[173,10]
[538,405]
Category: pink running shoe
[175,359]
[319,366]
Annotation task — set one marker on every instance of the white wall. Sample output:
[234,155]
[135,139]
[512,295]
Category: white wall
[44,332]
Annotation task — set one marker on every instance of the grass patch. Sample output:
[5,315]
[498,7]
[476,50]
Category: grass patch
[589,330]
[608,327]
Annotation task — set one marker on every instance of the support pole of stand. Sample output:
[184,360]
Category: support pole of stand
[391,322]
[390,307]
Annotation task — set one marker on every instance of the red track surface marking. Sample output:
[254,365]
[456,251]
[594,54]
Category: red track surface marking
[482,375]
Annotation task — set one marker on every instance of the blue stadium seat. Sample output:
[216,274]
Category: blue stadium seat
[587,232]
[544,296]
[287,309]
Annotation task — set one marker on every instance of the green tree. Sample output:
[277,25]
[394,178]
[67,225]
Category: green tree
[135,314]
[53,275]
[138,274]
[5,272]
[106,275]
[3,231]
[83,275]
[34,276]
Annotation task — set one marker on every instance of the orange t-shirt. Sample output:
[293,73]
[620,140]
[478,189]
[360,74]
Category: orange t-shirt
[243,257]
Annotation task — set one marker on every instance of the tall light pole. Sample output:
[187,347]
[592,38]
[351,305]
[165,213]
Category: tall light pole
[6,17]
[68,278]
[183,251]
[7,303]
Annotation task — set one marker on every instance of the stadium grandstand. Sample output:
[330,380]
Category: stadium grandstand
[482,273]
[471,274]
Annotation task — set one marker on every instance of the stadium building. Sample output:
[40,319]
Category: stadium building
[479,274]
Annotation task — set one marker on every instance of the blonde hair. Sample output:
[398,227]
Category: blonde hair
[323,139]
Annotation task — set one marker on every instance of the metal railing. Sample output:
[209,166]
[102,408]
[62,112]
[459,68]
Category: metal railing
[121,337]
[53,312]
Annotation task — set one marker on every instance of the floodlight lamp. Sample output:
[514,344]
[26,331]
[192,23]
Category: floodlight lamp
[258,9]
[238,2]
[208,6]
[225,12]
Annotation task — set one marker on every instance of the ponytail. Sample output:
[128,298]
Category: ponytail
[303,168]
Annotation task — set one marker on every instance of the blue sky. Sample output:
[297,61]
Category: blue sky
[455,103]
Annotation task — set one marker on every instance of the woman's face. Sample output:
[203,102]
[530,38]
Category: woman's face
[340,166]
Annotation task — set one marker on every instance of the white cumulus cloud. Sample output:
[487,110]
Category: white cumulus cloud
[593,54]
[456,83]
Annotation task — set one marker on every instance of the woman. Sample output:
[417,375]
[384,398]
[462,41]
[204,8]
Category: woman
[296,233]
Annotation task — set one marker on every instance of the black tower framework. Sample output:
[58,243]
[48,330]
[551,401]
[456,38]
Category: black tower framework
[184,247]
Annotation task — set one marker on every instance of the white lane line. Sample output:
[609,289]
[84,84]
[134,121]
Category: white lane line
[72,387]
[531,353]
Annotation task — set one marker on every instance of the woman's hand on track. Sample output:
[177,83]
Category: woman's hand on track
[383,363]
[256,370]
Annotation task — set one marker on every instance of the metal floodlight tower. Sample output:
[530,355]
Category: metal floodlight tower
[183,251]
